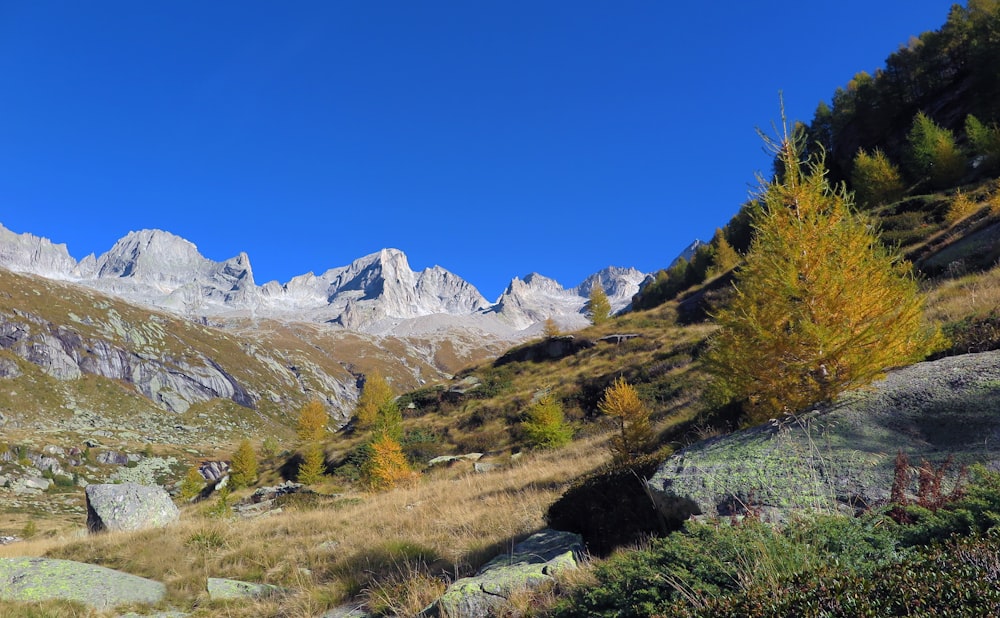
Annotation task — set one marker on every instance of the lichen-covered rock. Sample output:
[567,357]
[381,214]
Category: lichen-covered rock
[532,563]
[42,579]
[841,456]
[128,506]
[226,589]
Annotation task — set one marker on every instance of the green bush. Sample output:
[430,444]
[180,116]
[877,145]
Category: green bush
[705,563]
[957,579]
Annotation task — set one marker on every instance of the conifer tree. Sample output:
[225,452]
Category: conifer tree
[876,181]
[598,307]
[820,305]
[934,155]
[635,435]
[313,464]
[386,466]
[375,393]
[311,429]
[545,424]
[311,424]
[550,329]
[724,257]
[243,467]
[192,484]
[985,140]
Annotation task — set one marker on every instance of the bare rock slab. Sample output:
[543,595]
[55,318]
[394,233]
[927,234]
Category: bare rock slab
[227,589]
[841,456]
[45,579]
[128,506]
[532,564]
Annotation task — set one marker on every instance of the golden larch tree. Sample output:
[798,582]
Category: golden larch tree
[311,424]
[820,305]
[375,394]
[243,466]
[635,434]
[598,306]
[386,466]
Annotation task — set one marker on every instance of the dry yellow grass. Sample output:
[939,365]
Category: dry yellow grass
[399,546]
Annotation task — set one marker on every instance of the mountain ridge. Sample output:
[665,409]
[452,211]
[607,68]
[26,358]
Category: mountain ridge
[375,293]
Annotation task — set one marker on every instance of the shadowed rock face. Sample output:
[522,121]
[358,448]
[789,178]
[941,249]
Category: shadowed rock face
[128,506]
[841,456]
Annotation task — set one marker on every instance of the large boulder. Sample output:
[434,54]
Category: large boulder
[842,456]
[532,563]
[128,506]
[43,579]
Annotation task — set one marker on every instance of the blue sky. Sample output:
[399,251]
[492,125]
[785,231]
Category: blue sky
[492,138]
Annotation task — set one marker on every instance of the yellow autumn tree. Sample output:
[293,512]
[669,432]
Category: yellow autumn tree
[311,424]
[549,328]
[311,429]
[875,179]
[243,466]
[386,466]
[820,305]
[375,394]
[598,306]
[546,425]
[635,434]
[313,464]
[192,484]
[724,257]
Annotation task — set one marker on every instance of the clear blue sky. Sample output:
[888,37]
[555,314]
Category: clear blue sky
[492,138]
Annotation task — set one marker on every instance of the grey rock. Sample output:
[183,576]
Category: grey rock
[36,579]
[128,506]
[35,482]
[533,563]
[213,470]
[228,589]
[112,458]
[841,457]
[9,368]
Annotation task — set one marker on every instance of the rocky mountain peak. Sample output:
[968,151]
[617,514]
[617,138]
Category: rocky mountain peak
[33,254]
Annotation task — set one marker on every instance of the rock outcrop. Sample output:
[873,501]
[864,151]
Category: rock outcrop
[531,564]
[128,506]
[841,456]
[41,579]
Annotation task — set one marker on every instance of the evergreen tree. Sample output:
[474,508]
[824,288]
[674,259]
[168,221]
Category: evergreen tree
[820,305]
[724,257]
[386,466]
[311,424]
[313,464]
[389,421]
[934,155]
[635,435]
[598,307]
[192,484]
[375,393]
[876,181]
[985,140]
[243,467]
[545,424]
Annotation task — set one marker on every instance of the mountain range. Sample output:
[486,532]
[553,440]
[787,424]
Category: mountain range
[376,294]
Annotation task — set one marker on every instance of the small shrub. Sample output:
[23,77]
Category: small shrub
[30,529]
[545,425]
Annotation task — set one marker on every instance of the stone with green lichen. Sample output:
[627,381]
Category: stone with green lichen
[842,456]
[531,564]
[43,579]
[227,589]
